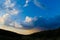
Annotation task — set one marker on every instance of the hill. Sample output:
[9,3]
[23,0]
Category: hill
[44,35]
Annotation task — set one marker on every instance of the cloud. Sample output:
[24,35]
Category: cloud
[39,4]
[25,24]
[19,31]
[16,25]
[28,19]
[54,22]
[8,10]
[6,17]
[36,22]
[29,22]
[3,18]
[14,12]
[9,4]
[9,7]
[8,21]
[42,23]
[26,3]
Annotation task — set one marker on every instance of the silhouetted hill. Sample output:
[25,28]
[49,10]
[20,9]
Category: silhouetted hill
[44,35]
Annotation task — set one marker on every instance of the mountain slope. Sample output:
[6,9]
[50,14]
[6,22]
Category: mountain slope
[44,35]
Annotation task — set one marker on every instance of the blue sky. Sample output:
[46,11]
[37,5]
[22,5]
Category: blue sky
[51,8]
[28,13]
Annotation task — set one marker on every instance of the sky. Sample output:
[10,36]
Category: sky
[29,14]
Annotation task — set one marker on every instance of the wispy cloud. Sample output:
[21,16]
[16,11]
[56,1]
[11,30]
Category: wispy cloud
[39,4]
[26,3]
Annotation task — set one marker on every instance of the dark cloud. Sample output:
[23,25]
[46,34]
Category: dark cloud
[54,23]
[39,22]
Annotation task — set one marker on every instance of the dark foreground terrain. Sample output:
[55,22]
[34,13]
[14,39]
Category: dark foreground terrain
[44,35]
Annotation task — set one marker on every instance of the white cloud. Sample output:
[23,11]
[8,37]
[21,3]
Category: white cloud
[6,16]
[12,5]
[37,3]
[3,18]
[16,25]
[20,31]
[14,12]
[26,3]
[28,19]
[9,4]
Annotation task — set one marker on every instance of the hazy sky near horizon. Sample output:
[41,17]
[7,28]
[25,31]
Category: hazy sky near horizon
[28,14]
